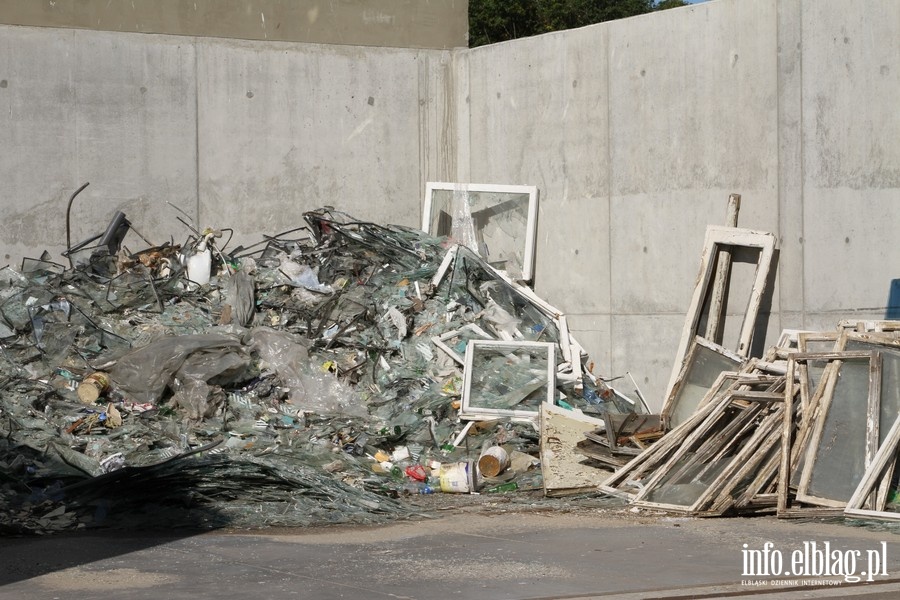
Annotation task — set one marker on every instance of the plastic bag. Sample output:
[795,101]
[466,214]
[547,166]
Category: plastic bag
[146,373]
[311,389]
[241,297]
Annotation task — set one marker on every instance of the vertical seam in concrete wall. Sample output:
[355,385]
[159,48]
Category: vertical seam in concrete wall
[779,188]
[466,103]
[422,103]
[609,205]
[802,135]
[74,83]
[197,130]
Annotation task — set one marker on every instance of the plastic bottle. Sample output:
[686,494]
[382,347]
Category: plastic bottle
[410,489]
[199,264]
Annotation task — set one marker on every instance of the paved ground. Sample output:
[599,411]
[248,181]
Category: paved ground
[512,554]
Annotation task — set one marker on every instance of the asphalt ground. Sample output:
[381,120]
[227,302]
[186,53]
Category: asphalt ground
[486,552]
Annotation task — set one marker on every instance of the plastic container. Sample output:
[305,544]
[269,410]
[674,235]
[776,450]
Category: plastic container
[199,266]
[416,472]
[411,489]
[457,478]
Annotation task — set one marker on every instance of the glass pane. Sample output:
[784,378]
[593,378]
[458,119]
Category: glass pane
[704,367]
[890,384]
[841,452]
[814,371]
[508,378]
[494,224]
[890,393]
[473,285]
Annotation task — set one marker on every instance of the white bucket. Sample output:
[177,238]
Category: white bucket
[457,478]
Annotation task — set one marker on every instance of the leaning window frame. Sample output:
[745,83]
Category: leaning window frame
[872,406]
[746,435]
[887,344]
[716,237]
[531,191]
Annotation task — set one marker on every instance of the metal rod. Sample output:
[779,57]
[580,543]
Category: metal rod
[68,220]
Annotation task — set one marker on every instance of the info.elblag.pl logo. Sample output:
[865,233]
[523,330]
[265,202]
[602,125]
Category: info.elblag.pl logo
[814,559]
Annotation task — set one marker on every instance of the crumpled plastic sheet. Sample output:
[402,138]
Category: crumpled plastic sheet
[312,391]
[145,373]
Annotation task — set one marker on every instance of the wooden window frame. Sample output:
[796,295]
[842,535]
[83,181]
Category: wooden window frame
[717,238]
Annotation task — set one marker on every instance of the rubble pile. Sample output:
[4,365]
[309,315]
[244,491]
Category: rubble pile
[315,377]
[328,373]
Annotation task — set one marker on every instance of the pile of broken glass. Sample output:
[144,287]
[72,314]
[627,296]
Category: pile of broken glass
[314,377]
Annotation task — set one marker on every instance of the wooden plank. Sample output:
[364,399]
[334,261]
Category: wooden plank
[885,456]
[872,417]
[715,320]
[787,433]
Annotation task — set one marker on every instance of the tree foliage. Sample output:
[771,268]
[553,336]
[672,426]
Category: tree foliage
[492,21]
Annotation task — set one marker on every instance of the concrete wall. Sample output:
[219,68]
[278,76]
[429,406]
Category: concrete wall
[118,111]
[237,134]
[284,129]
[635,132]
[398,23]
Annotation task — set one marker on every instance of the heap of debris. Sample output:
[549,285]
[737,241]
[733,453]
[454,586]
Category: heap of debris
[314,377]
[326,372]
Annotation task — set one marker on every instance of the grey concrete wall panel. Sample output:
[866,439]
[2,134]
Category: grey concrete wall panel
[852,252]
[538,117]
[37,134]
[693,116]
[850,89]
[656,242]
[136,118]
[790,146]
[398,23]
[439,118]
[288,128]
[572,264]
[693,99]
[644,346]
[851,123]
[116,110]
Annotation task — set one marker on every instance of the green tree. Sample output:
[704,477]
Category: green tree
[492,21]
